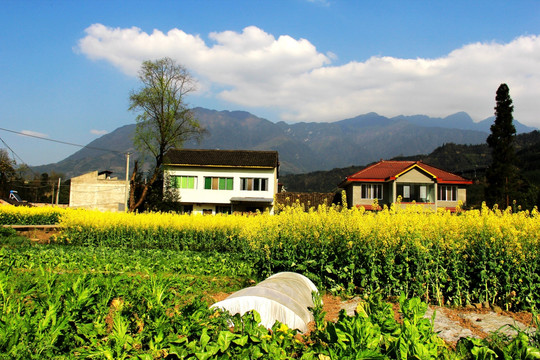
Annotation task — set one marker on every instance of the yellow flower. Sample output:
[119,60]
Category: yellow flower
[283,328]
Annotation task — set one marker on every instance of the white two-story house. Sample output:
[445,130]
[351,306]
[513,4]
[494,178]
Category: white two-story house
[222,181]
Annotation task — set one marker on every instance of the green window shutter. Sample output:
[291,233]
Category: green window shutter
[184,182]
[222,184]
[229,183]
[191,182]
[208,183]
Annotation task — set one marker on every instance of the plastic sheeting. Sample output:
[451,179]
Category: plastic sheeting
[284,297]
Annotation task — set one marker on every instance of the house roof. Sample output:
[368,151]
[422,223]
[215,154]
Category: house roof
[222,158]
[389,170]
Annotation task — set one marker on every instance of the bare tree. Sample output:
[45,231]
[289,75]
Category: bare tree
[165,121]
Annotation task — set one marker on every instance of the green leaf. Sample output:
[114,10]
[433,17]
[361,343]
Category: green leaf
[256,317]
[212,349]
[224,340]
[483,353]
[533,353]
[178,351]
[203,355]
[146,357]
[256,352]
[241,341]
[204,338]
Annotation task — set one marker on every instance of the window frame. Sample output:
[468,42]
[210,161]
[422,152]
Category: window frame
[218,183]
[365,188]
[177,182]
[254,184]
[447,189]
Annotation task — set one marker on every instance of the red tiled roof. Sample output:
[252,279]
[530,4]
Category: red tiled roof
[390,170]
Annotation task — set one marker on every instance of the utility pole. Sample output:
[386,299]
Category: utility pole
[58,191]
[126,197]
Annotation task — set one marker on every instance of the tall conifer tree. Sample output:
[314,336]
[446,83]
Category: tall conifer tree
[502,173]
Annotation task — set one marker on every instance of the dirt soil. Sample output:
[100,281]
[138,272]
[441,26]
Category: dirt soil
[42,236]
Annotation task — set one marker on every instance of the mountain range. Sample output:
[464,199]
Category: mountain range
[303,147]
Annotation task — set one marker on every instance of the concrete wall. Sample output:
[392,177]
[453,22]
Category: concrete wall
[90,191]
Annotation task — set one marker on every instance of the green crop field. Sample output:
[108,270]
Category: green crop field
[140,286]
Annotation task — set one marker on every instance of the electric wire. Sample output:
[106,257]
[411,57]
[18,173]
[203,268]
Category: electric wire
[63,142]
[12,151]
[115,188]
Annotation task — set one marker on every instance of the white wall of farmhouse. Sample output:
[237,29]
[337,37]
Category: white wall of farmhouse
[206,199]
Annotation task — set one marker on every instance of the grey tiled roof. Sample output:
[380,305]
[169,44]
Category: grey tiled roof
[235,158]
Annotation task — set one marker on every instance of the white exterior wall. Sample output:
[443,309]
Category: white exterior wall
[89,191]
[202,198]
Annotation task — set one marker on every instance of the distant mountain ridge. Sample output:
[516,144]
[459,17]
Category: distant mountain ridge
[302,147]
[461,120]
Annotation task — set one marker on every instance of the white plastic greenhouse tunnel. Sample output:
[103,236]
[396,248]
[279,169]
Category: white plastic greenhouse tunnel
[284,297]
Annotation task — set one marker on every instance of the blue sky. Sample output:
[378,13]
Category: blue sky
[67,67]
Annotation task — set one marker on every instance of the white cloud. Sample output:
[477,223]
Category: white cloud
[256,69]
[320,2]
[98,132]
[34,134]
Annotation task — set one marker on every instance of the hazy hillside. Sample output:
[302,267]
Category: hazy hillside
[460,120]
[303,147]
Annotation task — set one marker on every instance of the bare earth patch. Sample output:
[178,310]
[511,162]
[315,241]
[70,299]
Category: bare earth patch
[42,236]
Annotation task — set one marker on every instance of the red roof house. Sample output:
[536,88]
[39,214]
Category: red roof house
[410,181]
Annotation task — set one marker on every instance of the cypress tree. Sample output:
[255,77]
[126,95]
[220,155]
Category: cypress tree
[502,173]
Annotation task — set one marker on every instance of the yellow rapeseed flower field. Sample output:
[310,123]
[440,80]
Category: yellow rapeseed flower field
[478,255]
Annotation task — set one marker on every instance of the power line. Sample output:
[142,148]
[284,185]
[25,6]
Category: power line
[61,142]
[10,149]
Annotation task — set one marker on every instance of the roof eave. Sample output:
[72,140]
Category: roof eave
[224,166]
[366,180]
[457,182]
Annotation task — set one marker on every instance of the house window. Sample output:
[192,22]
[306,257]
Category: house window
[187,209]
[254,184]
[372,191]
[406,191]
[415,192]
[447,193]
[218,183]
[184,182]
[223,209]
